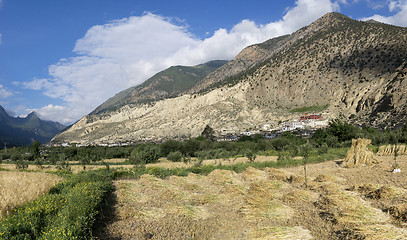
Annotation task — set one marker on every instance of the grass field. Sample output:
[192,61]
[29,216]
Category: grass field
[338,203]
[17,188]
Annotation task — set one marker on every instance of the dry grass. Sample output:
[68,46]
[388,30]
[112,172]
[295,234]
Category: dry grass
[17,188]
[339,203]
[359,154]
[388,150]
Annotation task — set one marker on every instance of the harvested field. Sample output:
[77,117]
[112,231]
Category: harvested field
[338,203]
[17,188]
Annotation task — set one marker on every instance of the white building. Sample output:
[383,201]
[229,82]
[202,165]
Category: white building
[289,126]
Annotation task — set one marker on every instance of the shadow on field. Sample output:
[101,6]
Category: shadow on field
[107,216]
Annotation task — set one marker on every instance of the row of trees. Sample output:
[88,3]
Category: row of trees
[338,134]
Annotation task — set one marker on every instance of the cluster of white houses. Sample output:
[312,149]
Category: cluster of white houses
[307,124]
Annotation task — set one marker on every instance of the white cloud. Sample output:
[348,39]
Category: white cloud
[52,112]
[1,39]
[125,52]
[400,16]
[4,92]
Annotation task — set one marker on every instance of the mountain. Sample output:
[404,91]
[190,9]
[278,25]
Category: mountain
[166,84]
[336,66]
[23,131]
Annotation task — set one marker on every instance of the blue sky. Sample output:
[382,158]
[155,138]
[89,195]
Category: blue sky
[64,58]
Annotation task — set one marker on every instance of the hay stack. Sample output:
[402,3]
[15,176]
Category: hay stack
[388,150]
[359,154]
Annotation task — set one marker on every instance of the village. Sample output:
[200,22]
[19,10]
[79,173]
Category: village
[304,127]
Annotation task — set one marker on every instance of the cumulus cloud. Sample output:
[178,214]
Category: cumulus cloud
[4,92]
[399,18]
[125,52]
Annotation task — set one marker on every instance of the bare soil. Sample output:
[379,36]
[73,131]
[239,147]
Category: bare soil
[337,203]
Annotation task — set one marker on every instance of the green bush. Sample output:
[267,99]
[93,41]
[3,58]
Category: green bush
[145,153]
[175,156]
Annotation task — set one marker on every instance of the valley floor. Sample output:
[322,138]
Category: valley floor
[337,203]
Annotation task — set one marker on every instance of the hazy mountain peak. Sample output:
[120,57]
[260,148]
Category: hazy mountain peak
[17,131]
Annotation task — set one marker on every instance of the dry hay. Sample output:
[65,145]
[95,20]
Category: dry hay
[299,195]
[278,174]
[253,174]
[399,212]
[373,232]
[377,191]
[388,150]
[359,154]
[328,178]
[280,233]
[17,188]
[347,208]
[296,179]
[222,205]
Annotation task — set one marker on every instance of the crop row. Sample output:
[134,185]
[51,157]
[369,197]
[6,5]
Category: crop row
[67,212]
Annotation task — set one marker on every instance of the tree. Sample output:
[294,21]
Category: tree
[251,156]
[35,149]
[305,150]
[208,133]
[169,146]
[342,130]
[145,153]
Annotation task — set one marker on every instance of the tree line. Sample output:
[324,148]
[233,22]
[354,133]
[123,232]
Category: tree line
[338,134]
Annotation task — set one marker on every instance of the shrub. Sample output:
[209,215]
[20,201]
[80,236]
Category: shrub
[21,164]
[175,156]
[145,153]
[251,156]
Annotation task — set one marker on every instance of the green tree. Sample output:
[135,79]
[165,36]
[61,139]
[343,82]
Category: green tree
[342,130]
[145,153]
[169,146]
[35,149]
[251,156]
[208,133]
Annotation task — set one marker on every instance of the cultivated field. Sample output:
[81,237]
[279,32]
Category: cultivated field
[17,188]
[338,203]
[162,163]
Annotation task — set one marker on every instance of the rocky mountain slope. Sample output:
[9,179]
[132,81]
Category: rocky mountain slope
[356,69]
[23,131]
[165,84]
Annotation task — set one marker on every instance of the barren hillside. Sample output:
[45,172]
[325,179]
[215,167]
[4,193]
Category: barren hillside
[357,69]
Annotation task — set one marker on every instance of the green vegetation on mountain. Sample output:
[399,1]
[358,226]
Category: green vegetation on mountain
[307,109]
[166,84]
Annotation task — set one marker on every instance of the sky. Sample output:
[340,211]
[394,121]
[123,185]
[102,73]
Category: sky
[64,58]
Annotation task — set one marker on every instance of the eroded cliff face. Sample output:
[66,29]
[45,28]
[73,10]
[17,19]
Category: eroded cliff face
[356,68]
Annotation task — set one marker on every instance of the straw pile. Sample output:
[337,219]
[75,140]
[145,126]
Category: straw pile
[359,154]
[388,150]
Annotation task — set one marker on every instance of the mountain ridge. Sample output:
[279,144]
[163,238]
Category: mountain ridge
[17,131]
[357,69]
[168,83]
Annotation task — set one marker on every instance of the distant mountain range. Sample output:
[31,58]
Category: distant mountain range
[337,66]
[23,131]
